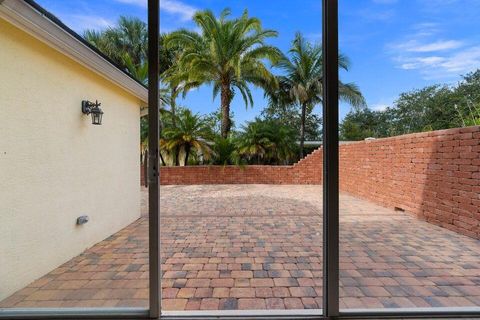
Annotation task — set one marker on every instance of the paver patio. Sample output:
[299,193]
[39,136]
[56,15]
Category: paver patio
[257,247]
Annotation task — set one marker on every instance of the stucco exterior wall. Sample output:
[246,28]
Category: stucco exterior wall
[54,164]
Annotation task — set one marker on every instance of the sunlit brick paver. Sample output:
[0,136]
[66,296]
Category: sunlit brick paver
[259,247]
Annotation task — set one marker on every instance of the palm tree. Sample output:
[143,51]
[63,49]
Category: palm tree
[253,144]
[266,141]
[228,54]
[127,45]
[170,73]
[188,136]
[138,71]
[283,138]
[224,151]
[130,37]
[302,83]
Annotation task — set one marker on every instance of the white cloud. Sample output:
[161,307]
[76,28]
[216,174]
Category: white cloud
[82,22]
[421,62]
[93,22]
[433,58]
[436,46]
[426,29]
[183,10]
[379,107]
[176,7]
[463,61]
[421,41]
[382,104]
[444,67]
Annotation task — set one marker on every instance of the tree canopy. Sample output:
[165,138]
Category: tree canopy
[301,84]
[229,54]
[431,108]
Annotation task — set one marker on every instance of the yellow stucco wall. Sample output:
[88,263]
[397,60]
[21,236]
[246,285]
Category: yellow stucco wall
[54,164]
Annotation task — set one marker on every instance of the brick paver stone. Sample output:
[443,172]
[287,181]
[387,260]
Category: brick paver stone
[260,246]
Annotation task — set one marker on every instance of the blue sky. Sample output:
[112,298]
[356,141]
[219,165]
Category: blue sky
[394,45]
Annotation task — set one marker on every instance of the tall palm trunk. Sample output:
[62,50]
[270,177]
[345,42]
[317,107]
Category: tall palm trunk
[302,128]
[177,157]
[161,159]
[187,154]
[160,128]
[226,98]
[173,105]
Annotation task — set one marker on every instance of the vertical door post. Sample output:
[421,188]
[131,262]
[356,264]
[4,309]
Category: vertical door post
[330,160]
[153,163]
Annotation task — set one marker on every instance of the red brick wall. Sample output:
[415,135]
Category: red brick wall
[307,171]
[435,175]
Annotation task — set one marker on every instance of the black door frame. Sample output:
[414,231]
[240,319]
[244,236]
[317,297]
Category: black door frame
[153,163]
[330,159]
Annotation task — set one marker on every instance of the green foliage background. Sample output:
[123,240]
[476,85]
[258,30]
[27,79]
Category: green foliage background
[434,107]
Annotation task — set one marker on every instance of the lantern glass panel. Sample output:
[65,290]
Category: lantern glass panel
[97,118]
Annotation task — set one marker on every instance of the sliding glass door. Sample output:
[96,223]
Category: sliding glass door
[350,188]
[409,228]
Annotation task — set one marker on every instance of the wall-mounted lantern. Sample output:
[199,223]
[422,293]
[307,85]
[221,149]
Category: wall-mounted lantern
[93,108]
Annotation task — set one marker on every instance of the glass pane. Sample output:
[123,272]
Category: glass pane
[409,170]
[72,230]
[241,217]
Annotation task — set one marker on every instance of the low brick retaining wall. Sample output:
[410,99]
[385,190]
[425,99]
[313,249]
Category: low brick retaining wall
[434,175]
[304,172]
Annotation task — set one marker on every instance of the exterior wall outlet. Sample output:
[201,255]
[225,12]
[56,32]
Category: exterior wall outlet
[82,220]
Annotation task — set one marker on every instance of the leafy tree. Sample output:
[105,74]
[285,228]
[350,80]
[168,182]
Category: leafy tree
[127,44]
[228,54]
[253,144]
[128,38]
[468,95]
[172,75]
[139,72]
[423,110]
[431,108]
[472,116]
[362,124]
[225,152]
[187,136]
[266,142]
[302,83]
[214,121]
[289,115]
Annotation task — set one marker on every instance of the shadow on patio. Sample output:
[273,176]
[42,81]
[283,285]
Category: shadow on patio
[259,246]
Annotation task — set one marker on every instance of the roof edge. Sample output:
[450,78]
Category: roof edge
[28,16]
